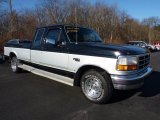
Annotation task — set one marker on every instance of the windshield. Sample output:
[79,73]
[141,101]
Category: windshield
[142,44]
[78,34]
[137,43]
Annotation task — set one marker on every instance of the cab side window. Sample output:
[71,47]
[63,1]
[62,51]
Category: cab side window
[52,37]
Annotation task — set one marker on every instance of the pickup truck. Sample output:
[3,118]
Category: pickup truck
[76,56]
[143,45]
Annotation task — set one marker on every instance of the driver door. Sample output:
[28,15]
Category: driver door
[53,54]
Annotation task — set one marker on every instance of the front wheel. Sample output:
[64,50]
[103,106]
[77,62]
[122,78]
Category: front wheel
[97,86]
[14,64]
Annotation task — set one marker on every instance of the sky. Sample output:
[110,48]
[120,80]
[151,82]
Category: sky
[24,4]
[138,9]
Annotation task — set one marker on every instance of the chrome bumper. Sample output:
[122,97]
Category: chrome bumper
[132,81]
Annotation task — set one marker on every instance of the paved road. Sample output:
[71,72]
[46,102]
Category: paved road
[26,96]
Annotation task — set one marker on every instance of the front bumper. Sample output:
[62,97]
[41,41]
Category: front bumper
[132,81]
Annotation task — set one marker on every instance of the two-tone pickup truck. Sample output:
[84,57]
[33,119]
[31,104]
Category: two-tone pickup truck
[77,56]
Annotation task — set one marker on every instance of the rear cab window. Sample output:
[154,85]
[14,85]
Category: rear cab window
[37,43]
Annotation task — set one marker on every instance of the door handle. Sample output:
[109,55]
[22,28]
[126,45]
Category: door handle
[76,59]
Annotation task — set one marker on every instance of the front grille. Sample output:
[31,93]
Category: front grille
[143,61]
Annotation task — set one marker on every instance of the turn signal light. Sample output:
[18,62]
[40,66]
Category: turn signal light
[126,67]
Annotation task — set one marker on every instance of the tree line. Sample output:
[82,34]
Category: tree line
[113,24]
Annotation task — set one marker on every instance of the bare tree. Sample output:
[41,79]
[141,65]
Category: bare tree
[151,23]
[56,10]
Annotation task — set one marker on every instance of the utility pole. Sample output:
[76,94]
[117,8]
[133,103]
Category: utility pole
[149,35]
[76,24]
[11,16]
[10,6]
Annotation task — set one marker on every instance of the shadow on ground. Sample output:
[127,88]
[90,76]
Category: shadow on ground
[151,88]
[152,85]
[2,61]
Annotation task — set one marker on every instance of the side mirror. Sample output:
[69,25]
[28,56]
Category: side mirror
[44,40]
[61,43]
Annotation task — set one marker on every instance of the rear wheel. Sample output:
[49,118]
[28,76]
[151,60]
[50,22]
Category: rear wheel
[3,58]
[97,86]
[14,64]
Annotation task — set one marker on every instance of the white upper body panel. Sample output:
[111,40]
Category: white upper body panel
[63,61]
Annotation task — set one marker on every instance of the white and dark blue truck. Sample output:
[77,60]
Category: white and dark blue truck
[76,56]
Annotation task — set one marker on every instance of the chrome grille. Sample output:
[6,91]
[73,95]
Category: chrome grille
[144,61]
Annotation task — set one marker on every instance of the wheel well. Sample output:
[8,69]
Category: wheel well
[82,70]
[11,55]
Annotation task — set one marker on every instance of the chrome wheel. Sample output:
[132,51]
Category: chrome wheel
[93,87]
[97,86]
[14,64]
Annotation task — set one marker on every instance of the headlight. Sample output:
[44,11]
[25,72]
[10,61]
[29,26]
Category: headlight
[127,63]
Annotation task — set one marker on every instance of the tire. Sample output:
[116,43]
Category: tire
[3,58]
[14,65]
[97,86]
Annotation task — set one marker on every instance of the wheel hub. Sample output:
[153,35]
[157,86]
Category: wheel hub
[13,64]
[93,87]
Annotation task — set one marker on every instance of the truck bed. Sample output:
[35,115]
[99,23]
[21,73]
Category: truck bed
[19,43]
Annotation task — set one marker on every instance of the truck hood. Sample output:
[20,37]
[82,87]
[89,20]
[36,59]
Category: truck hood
[105,50]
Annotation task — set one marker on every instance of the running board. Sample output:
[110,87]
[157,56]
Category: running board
[49,75]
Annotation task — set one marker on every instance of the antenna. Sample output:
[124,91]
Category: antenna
[76,24]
